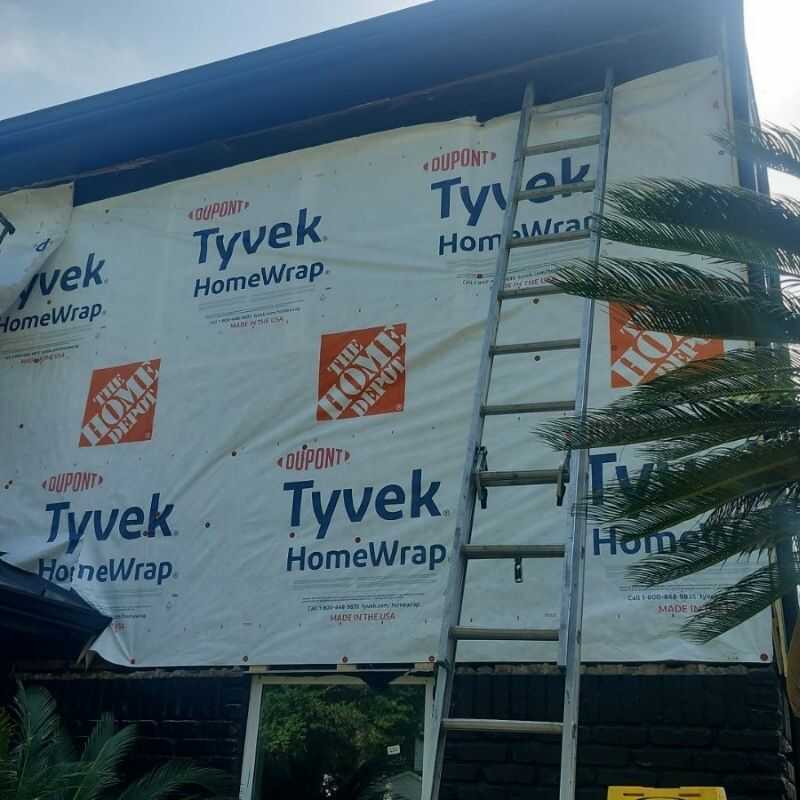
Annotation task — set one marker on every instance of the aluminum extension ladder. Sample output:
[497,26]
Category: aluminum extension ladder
[477,479]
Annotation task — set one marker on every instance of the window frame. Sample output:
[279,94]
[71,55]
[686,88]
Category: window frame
[258,682]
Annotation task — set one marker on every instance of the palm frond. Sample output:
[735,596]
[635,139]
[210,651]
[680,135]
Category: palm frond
[6,728]
[747,371]
[168,778]
[726,480]
[63,747]
[725,223]
[770,145]
[680,299]
[35,711]
[746,377]
[101,733]
[36,719]
[735,604]
[676,431]
[717,541]
[101,767]
[8,762]
[725,248]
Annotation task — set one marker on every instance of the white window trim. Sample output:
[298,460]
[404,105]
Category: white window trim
[257,682]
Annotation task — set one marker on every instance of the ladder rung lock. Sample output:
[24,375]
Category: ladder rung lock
[525,477]
[480,551]
[535,347]
[550,238]
[528,291]
[527,408]
[464,633]
[502,726]
[566,144]
[562,188]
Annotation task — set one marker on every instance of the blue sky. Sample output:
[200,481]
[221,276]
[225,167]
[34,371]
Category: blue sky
[52,51]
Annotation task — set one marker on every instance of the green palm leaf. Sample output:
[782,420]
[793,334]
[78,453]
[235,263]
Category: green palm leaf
[722,247]
[722,539]
[725,223]
[37,763]
[107,750]
[677,405]
[666,296]
[676,431]
[37,722]
[743,372]
[726,480]
[723,432]
[167,779]
[735,604]
[771,146]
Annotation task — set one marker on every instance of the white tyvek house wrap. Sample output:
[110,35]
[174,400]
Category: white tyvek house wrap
[243,568]
[40,220]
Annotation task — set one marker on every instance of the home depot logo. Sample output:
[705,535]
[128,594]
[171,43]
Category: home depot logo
[362,372]
[121,405]
[639,356]
[463,157]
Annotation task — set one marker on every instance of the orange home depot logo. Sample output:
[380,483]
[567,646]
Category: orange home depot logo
[638,356]
[121,405]
[362,372]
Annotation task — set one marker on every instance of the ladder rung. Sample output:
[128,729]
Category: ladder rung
[566,144]
[464,633]
[502,726]
[527,408]
[535,347]
[522,477]
[562,188]
[588,99]
[474,551]
[550,238]
[528,291]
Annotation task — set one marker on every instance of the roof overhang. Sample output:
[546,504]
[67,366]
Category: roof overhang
[436,61]
[39,618]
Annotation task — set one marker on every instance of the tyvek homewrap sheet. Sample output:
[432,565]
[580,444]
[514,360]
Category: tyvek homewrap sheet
[33,224]
[249,447]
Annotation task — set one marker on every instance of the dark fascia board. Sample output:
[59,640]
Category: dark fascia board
[435,61]
[48,619]
[34,605]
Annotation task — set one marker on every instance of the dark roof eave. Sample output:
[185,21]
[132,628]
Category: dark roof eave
[341,73]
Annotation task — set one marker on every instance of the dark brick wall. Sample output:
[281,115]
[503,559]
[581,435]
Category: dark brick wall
[652,725]
[714,729]
[202,718]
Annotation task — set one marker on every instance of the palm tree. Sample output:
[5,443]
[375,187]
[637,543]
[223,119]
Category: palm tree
[726,429]
[39,762]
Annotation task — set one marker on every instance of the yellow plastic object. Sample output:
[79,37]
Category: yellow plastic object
[677,793]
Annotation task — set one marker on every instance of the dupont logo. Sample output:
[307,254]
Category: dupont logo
[464,157]
[65,482]
[639,356]
[121,405]
[362,372]
[307,458]
[223,208]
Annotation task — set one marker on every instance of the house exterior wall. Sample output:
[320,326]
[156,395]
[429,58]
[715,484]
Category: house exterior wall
[656,725]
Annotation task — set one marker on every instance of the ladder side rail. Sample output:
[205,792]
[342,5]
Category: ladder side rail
[575,562]
[454,592]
